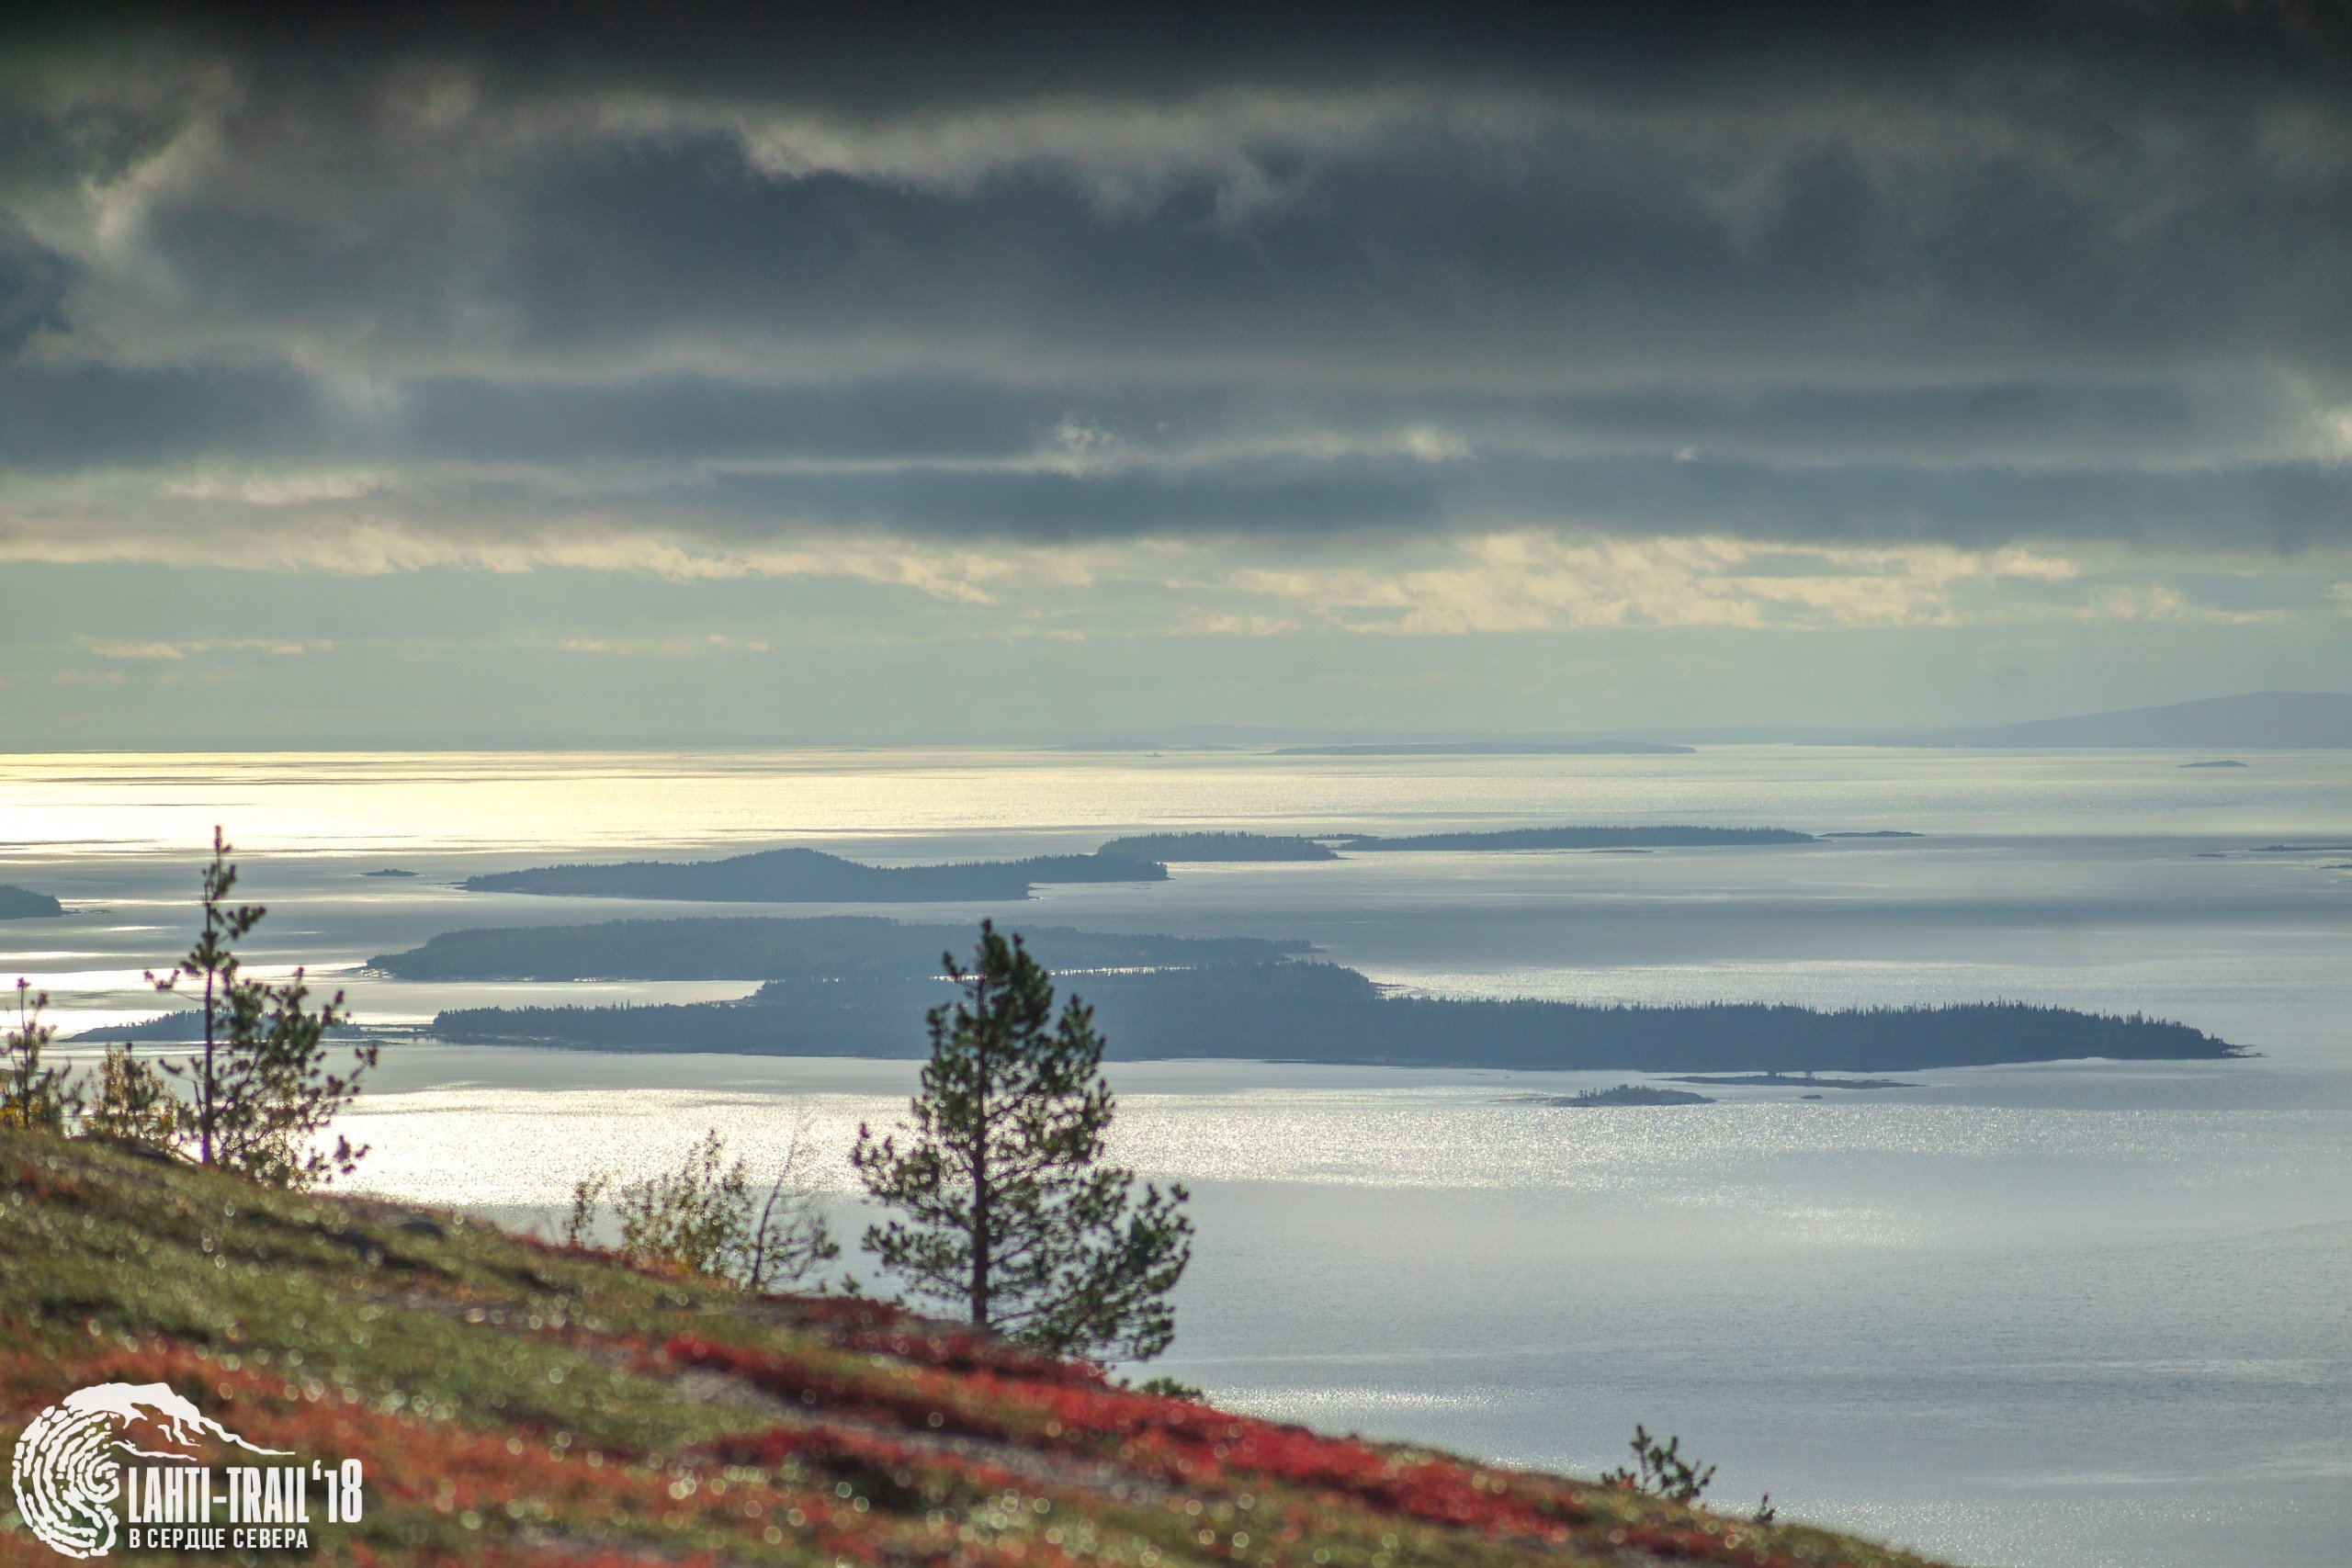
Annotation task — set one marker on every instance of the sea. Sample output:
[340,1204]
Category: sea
[2077,1314]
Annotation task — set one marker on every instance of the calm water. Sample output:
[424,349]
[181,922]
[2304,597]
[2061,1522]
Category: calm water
[2083,1313]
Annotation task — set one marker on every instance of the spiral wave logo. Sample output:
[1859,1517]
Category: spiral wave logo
[67,1472]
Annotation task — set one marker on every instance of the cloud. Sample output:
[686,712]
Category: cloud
[173,652]
[1534,582]
[681,646]
[681,298]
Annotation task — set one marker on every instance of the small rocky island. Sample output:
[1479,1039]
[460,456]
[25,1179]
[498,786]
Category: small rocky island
[24,904]
[1623,1094]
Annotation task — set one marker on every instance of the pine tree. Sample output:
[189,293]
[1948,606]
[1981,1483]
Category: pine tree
[32,1096]
[1006,1209]
[259,1088]
[135,1105]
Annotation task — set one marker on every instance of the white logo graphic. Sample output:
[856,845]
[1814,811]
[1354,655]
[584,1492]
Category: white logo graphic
[68,1474]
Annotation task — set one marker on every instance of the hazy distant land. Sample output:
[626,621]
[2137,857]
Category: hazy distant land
[812,876]
[1580,838]
[2263,721]
[1492,749]
[24,904]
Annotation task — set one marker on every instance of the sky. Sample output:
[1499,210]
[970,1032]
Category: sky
[476,374]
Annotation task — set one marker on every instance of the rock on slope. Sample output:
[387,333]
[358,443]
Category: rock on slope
[517,1402]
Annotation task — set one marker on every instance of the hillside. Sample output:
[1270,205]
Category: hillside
[2263,721]
[511,1402]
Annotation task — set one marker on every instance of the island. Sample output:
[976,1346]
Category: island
[1667,837]
[1781,1080]
[1492,749]
[2225,762]
[848,986]
[24,904]
[183,1026]
[389,871]
[1178,847]
[821,947]
[1874,833]
[812,876]
[1623,1094]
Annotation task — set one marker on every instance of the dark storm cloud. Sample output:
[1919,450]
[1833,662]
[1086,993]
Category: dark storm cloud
[32,290]
[1943,274]
[1060,508]
[895,55]
[71,418]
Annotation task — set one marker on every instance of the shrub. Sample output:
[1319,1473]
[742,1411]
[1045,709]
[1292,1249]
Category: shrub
[33,1097]
[706,1217]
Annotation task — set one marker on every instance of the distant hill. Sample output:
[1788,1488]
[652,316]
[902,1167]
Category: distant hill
[2265,721]
[23,904]
[812,876]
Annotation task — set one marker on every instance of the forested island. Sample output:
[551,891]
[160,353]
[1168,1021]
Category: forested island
[24,904]
[1204,846]
[1321,1012]
[812,876]
[821,947]
[1671,836]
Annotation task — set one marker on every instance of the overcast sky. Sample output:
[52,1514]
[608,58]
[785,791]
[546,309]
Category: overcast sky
[737,373]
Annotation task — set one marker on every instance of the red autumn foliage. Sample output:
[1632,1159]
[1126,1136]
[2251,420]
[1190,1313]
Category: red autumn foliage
[1173,1439]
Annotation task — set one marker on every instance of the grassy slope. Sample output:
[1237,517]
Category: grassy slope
[517,1402]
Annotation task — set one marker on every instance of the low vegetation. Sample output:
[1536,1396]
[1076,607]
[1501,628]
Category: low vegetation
[710,1217]
[521,1402]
